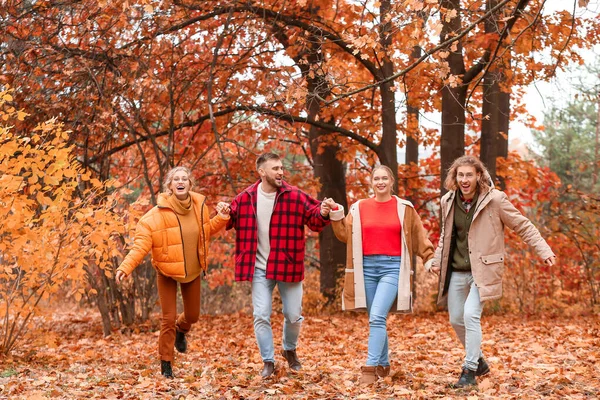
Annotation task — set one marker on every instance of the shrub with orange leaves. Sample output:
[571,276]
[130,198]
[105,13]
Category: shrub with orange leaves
[569,222]
[53,218]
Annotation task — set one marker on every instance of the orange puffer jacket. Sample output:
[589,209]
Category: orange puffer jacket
[159,230]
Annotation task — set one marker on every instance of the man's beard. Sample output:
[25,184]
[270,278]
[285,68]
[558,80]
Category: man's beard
[273,182]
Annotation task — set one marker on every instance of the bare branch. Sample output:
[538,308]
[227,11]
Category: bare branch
[260,110]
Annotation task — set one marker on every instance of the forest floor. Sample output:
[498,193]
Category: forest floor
[68,357]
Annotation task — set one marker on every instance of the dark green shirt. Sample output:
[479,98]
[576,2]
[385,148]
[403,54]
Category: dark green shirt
[462,223]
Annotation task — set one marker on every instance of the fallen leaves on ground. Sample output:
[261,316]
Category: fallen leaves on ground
[68,357]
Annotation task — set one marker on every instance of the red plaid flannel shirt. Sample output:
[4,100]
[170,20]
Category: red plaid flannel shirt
[292,210]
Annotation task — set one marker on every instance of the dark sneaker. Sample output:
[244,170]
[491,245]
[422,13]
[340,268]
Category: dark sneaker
[292,359]
[180,341]
[482,367]
[268,369]
[467,378]
[165,369]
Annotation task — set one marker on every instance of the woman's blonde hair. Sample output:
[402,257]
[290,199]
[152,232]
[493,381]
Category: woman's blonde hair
[169,178]
[483,182]
[388,170]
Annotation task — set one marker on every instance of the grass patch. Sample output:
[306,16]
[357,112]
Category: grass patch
[7,373]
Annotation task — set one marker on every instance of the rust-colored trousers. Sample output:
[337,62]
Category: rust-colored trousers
[167,292]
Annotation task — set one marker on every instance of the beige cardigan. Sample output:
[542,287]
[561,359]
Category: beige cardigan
[414,241]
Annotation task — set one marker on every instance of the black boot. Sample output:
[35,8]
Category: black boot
[292,359]
[165,369]
[482,367]
[467,378]
[180,341]
[268,369]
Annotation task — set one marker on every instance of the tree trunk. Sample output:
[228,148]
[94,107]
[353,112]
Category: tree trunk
[489,124]
[331,173]
[387,151]
[494,127]
[495,108]
[120,303]
[596,148]
[104,312]
[412,136]
[91,273]
[412,111]
[452,143]
[145,289]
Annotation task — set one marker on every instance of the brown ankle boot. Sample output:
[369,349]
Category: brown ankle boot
[382,371]
[292,359]
[368,375]
[268,369]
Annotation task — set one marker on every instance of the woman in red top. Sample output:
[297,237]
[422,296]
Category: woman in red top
[382,232]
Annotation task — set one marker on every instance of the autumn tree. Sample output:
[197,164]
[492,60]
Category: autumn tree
[569,146]
[568,220]
[54,222]
[486,67]
[212,84]
[568,143]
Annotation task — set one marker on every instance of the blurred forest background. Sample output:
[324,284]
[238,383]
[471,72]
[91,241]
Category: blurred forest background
[99,99]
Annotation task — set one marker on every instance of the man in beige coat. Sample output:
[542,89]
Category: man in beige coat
[469,258]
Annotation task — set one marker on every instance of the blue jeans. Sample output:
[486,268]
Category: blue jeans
[381,287]
[262,302]
[464,309]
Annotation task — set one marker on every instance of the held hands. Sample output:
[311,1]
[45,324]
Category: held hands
[223,209]
[435,270]
[119,276]
[327,205]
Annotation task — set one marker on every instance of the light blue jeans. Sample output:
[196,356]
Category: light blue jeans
[381,287]
[262,302]
[464,309]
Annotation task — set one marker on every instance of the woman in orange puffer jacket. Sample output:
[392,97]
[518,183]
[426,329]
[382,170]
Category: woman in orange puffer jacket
[177,231]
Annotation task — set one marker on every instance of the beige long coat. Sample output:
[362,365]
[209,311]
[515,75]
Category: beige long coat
[414,241]
[493,211]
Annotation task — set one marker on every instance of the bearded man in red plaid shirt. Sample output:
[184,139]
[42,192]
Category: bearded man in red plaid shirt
[269,218]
